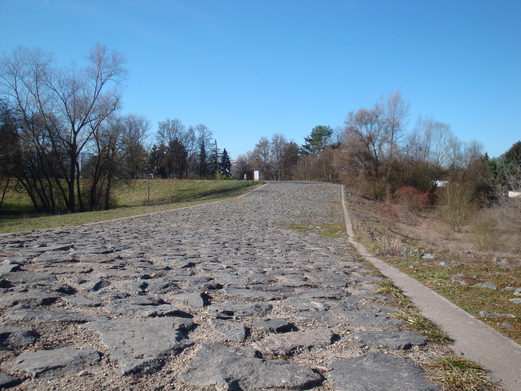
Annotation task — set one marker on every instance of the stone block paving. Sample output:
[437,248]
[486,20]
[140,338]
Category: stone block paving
[215,297]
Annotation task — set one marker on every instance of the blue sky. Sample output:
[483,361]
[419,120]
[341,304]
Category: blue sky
[248,69]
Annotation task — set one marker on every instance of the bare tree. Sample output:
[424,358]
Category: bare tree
[262,158]
[60,110]
[134,154]
[278,147]
[107,141]
[170,130]
[395,111]
[242,168]
[8,149]
[368,138]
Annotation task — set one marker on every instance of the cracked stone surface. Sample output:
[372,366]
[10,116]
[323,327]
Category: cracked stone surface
[398,340]
[56,362]
[220,366]
[232,331]
[286,344]
[12,338]
[8,381]
[211,297]
[141,345]
[378,372]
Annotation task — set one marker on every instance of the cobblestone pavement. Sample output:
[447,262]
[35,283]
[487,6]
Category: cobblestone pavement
[238,295]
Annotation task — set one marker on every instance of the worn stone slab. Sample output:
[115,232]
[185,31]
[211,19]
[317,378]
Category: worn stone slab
[8,268]
[143,307]
[81,301]
[32,298]
[288,343]
[485,285]
[161,285]
[368,318]
[238,369]
[8,381]
[274,325]
[142,345]
[302,304]
[398,340]
[324,293]
[250,294]
[488,314]
[232,309]
[378,372]
[43,315]
[94,285]
[27,277]
[134,287]
[56,363]
[193,299]
[233,331]
[13,338]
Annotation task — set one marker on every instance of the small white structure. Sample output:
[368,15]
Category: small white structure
[256,175]
[513,194]
[441,183]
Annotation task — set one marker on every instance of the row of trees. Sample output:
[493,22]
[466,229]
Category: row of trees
[65,141]
[182,152]
[376,154]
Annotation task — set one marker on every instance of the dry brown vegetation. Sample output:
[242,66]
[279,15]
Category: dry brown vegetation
[422,244]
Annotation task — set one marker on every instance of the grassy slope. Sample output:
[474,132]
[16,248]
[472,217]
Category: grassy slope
[378,229]
[130,199]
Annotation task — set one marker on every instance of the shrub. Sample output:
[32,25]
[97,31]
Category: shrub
[456,205]
[412,198]
[485,232]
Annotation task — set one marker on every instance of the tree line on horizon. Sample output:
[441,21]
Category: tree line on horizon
[376,154]
[65,141]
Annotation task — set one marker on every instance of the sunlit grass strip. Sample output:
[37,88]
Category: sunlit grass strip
[458,374]
[72,219]
[423,325]
[389,289]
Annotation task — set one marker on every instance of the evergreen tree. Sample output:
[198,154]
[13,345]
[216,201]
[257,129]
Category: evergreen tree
[213,161]
[319,138]
[225,167]
[176,159]
[203,160]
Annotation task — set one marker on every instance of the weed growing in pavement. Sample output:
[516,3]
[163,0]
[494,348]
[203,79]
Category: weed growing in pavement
[422,325]
[458,374]
[409,313]
[389,289]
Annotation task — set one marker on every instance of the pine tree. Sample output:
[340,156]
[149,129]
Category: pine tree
[203,160]
[225,167]
[213,161]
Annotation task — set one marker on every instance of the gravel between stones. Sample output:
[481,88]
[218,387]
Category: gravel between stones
[217,297]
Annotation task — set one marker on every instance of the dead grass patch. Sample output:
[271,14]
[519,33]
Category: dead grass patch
[458,374]
[456,262]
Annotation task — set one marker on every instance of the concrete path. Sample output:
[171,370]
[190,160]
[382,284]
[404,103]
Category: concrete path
[236,295]
[472,338]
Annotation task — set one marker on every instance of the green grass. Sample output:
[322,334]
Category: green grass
[471,299]
[165,191]
[414,320]
[331,230]
[130,199]
[458,374]
[389,289]
[423,325]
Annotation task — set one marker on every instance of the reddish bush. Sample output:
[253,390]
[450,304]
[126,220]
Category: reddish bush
[412,198]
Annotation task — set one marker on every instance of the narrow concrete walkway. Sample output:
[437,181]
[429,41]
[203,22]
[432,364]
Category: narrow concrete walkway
[472,338]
